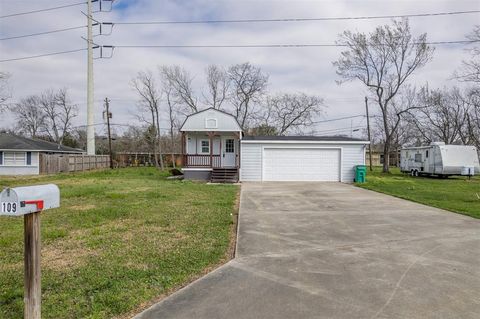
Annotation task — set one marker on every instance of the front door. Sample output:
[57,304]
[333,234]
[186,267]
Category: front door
[228,151]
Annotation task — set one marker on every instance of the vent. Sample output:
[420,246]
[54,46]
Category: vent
[211,123]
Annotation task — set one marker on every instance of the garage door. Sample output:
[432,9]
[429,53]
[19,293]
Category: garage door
[301,164]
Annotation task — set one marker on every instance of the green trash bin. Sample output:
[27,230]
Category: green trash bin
[360,174]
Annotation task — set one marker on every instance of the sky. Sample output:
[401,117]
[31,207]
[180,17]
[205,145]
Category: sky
[291,70]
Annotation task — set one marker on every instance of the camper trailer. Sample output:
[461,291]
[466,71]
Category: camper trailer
[440,160]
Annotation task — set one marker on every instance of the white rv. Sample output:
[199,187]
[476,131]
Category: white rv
[440,159]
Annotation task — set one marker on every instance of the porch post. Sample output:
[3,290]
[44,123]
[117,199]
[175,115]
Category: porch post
[184,155]
[210,137]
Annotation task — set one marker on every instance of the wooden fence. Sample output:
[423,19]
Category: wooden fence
[58,163]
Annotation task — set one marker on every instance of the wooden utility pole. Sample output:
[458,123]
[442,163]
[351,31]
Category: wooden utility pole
[109,116]
[369,136]
[33,291]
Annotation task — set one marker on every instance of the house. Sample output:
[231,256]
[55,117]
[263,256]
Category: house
[214,148]
[378,156]
[211,146]
[21,156]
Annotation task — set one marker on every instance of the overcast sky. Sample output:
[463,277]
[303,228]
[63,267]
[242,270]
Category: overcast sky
[308,70]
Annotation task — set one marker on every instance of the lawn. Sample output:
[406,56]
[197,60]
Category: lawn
[120,240]
[457,194]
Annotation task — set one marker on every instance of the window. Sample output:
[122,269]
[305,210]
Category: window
[211,123]
[29,158]
[14,159]
[418,158]
[426,154]
[205,147]
[1,158]
[229,146]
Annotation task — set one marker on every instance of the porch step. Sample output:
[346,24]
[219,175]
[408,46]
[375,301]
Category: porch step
[224,175]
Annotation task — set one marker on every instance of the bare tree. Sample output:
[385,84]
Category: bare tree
[248,86]
[149,101]
[443,116]
[218,85]
[470,70]
[383,61]
[4,90]
[30,117]
[59,113]
[182,90]
[172,117]
[291,113]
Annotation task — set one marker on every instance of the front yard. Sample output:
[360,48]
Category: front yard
[120,240]
[457,194]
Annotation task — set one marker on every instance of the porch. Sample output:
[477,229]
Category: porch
[211,150]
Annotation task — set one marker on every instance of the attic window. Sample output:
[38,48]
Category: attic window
[211,123]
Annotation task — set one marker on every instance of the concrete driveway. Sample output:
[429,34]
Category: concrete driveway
[331,250]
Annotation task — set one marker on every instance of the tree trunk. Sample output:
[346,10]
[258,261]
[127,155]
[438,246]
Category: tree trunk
[159,141]
[386,157]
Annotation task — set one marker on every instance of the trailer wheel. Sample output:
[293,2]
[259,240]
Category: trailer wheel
[416,173]
[412,173]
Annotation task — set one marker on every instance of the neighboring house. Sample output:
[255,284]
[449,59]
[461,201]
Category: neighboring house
[21,155]
[378,157]
[215,149]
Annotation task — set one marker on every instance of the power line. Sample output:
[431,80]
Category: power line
[269,45]
[303,19]
[42,55]
[42,10]
[42,33]
[338,119]
[220,46]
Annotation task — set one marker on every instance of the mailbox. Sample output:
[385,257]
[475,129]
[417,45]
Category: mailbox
[20,201]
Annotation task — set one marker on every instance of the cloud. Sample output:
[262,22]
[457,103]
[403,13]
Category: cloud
[291,69]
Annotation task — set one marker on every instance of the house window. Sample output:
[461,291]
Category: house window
[29,158]
[229,146]
[14,159]
[418,158]
[205,147]
[1,158]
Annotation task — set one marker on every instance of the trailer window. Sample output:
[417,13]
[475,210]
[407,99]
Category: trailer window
[418,158]
[426,154]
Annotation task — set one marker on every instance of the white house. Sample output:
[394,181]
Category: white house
[215,149]
[20,155]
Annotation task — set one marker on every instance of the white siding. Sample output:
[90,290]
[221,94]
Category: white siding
[194,143]
[252,156]
[251,162]
[22,169]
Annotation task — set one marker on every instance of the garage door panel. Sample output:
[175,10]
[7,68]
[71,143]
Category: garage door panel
[301,164]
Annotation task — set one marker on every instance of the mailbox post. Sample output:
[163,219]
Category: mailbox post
[29,202]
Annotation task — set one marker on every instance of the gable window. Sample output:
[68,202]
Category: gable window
[14,159]
[205,147]
[211,123]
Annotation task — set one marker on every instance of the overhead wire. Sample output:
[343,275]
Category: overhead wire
[42,55]
[301,19]
[42,33]
[42,10]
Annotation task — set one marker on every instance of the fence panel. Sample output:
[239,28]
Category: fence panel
[58,163]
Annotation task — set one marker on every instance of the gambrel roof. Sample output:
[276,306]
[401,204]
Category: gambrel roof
[210,120]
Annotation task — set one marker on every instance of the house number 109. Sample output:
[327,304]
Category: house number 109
[9,207]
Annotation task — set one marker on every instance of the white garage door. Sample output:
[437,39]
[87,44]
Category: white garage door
[301,164]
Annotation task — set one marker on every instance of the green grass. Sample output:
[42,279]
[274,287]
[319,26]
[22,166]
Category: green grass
[121,238]
[457,194]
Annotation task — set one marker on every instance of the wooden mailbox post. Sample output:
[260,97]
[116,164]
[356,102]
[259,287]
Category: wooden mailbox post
[29,202]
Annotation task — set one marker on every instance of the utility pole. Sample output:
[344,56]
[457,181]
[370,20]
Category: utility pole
[90,106]
[369,136]
[109,116]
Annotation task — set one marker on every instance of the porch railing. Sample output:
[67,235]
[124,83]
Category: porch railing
[202,161]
